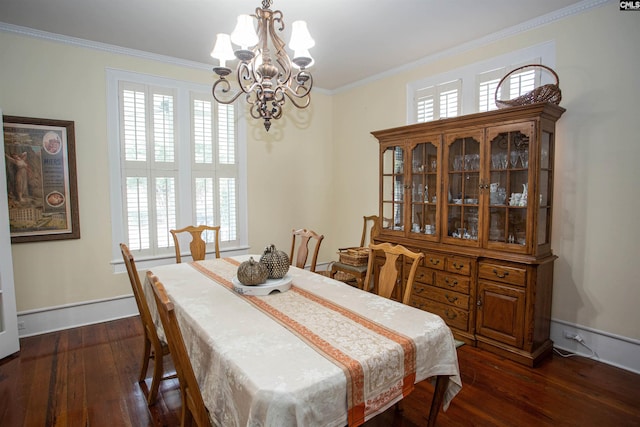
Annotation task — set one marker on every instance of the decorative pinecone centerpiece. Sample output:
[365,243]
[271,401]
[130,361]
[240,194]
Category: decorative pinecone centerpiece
[252,273]
[277,262]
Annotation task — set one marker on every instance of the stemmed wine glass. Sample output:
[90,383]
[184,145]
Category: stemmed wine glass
[524,158]
[514,158]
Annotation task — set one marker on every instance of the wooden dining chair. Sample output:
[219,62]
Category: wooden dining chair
[389,274]
[197,246]
[193,407]
[305,236]
[154,348]
[356,273]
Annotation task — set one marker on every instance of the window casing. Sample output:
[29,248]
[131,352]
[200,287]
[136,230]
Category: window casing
[175,160]
[473,87]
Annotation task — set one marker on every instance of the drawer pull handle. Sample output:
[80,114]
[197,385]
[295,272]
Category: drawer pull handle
[419,290]
[434,261]
[502,276]
[458,266]
[450,315]
[450,283]
[451,299]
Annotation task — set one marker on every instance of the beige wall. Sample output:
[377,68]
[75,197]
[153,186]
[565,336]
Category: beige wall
[318,168]
[596,224]
[289,169]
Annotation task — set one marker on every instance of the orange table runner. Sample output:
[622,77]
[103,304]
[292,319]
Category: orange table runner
[379,363]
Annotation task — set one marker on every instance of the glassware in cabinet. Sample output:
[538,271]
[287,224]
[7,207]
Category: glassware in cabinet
[509,154]
[392,188]
[424,188]
[463,157]
[545,187]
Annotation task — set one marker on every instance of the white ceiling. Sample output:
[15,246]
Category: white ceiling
[355,39]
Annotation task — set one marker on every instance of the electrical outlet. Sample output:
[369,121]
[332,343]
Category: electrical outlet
[571,336]
[21,326]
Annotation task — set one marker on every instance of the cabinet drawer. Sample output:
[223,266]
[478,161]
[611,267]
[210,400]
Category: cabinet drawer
[453,282]
[453,316]
[424,275]
[434,261]
[503,273]
[459,265]
[444,296]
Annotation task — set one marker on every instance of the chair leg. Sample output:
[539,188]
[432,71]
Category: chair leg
[157,375]
[146,354]
[187,416]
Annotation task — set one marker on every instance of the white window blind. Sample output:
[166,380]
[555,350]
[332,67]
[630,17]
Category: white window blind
[148,166]
[522,82]
[178,165]
[487,83]
[439,101]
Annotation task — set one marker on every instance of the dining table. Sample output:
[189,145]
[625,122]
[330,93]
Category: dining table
[320,353]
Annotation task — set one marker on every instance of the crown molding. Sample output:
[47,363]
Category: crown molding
[73,41]
[540,21]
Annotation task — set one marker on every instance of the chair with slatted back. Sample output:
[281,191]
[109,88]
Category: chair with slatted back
[305,236]
[193,407]
[356,273]
[197,246]
[154,348]
[389,275]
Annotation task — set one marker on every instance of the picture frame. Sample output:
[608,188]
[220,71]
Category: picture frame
[42,189]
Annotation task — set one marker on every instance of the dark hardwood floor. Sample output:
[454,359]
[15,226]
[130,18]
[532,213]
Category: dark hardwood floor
[87,376]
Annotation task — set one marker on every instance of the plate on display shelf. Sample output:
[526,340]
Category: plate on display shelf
[270,286]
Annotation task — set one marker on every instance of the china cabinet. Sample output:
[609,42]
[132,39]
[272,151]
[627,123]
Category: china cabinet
[475,195]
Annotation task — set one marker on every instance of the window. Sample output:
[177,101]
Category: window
[175,161]
[515,85]
[442,96]
[486,86]
[439,101]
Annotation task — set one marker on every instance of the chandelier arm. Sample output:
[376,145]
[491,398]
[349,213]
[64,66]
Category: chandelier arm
[280,52]
[301,89]
[224,89]
[294,97]
[246,73]
[278,18]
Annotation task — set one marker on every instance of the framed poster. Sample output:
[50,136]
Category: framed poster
[42,189]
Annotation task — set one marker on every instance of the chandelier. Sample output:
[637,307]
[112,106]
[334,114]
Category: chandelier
[264,73]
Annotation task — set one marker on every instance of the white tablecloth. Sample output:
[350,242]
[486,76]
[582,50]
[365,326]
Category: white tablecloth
[311,356]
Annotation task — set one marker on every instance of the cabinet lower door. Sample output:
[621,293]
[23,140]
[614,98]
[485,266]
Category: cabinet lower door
[500,314]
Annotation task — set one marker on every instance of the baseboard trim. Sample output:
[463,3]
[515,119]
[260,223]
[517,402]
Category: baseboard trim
[51,319]
[611,349]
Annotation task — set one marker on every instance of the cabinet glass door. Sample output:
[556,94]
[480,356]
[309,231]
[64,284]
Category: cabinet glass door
[509,186]
[424,189]
[393,187]
[463,158]
[545,185]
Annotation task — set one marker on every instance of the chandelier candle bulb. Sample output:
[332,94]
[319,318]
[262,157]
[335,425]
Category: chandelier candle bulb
[300,37]
[222,50]
[244,34]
